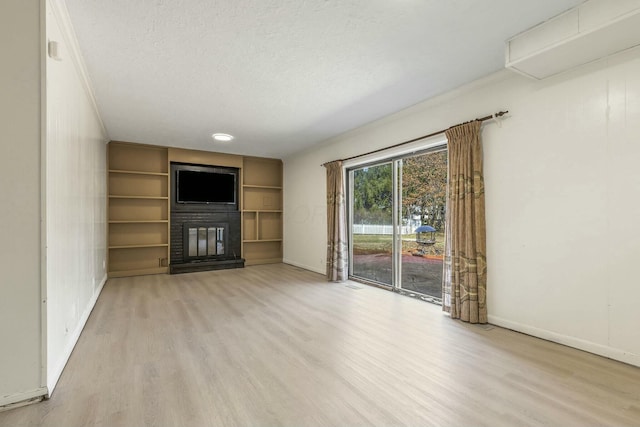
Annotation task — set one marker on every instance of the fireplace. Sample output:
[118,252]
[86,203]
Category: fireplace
[204,241]
[204,235]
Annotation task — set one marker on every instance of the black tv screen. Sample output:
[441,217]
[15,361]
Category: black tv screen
[205,187]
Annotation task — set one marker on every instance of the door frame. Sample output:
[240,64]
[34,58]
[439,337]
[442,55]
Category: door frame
[392,156]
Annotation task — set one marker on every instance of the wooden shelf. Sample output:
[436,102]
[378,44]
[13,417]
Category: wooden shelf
[139,185]
[138,234]
[143,209]
[140,221]
[268,187]
[262,199]
[138,158]
[129,172]
[112,196]
[262,210]
[262,252]
[260,172]
[138,210]
[159,245]
[138,259]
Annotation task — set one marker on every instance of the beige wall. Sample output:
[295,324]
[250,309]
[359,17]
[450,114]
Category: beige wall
[563,198]
[20,101]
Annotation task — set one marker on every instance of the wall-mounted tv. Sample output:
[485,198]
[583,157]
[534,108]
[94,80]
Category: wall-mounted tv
[205,185]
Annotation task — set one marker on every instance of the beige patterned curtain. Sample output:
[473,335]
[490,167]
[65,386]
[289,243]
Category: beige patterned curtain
[336,223]
[464,289]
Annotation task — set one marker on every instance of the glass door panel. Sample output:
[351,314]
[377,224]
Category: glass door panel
[396,217]
[422,212]
[371,214]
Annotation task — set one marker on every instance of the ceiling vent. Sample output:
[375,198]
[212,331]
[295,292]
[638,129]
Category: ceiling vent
[586,33]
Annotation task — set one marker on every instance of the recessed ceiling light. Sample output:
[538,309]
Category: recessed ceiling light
[222,137]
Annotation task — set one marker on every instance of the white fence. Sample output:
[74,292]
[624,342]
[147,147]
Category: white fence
[380,229]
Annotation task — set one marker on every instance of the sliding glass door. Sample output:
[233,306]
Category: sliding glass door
[396,223]
[423,206]
[371,218]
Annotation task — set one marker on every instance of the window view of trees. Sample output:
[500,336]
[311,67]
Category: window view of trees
[423,184]
[372,206]
[424,198]
[372,198]
[424,191]
[424,188]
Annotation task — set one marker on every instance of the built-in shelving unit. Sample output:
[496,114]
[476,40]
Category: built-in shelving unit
[138,209]
[139,218]
[261,210]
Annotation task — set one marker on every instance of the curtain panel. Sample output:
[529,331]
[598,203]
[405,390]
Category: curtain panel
[464,288]
[337,253]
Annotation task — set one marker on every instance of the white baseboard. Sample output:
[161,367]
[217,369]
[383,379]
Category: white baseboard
[55,372]
[20,399]
[306,267]
[591,347]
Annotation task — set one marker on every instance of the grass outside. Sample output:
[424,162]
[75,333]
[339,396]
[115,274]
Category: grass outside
[364,244]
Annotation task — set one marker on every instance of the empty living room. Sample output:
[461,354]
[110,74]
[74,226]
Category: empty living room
[320,213]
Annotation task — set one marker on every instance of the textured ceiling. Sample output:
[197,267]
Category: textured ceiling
[282,75]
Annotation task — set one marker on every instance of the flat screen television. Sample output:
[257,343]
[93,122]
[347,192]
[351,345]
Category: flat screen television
[205,186]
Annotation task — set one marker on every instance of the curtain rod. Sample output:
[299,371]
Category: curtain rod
[481,119]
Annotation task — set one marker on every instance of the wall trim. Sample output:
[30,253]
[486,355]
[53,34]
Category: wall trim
[56,372]
[11,401]
[61,13]
[306,267]
[588,346]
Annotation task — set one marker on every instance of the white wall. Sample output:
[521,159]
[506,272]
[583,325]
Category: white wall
[562,195]
[53,187]
[20,323]
[75,196]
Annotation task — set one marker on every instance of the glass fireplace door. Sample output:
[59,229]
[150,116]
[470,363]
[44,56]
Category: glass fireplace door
[205,241]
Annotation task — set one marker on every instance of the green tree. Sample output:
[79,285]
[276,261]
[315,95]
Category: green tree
[372,195]
[424,188]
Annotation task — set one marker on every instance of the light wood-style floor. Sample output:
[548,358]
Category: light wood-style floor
[278,346]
